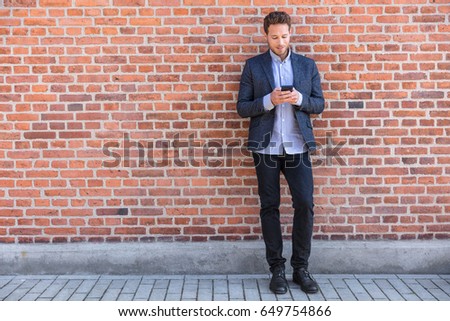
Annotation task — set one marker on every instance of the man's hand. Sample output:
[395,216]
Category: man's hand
[279,97]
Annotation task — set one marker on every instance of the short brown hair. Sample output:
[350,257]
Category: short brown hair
[276,17]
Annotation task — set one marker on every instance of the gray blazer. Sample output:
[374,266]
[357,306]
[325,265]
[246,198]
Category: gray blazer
[257,81]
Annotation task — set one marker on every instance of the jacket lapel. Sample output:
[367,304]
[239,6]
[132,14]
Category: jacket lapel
[297,69]
[267,67]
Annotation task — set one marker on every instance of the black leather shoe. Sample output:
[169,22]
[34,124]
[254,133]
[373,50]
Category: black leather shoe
[278,283]
[305,280]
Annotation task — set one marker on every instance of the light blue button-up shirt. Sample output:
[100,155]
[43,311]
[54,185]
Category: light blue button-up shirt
[286,132]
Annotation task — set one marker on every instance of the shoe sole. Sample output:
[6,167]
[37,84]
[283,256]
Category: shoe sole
[278,292]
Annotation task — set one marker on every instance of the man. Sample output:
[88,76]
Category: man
[280,137]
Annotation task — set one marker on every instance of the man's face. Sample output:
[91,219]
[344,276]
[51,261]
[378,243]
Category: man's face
[278,37]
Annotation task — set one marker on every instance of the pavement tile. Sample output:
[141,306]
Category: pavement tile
[268,297]
[220,297]
[205,284]
[237,287]
[78,297]
[190,290]
[125,297]
[251,294]
[373,290]
[111,294]
[338,283]
[158,294]
[117,284]
[419,290]
[41,285]
[204,295]
[30,297]
[443,285]
[22,290]
[250,284]
[316,297]
[173,297]
[328,291]
[86,286]
[400,286]
[439,294]
[131,286]
[161,284]
[236,290]
[68,290]
[220,287]
[98,290]
[391,293]
[346,294]
[355,286]
[143,292]
[54,289]
[175,286]
[297,294]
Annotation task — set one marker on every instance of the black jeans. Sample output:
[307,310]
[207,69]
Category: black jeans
[298,172]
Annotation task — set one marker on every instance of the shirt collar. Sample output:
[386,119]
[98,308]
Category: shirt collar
[278,59]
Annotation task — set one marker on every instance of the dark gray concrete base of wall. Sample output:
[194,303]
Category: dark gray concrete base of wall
[353,257]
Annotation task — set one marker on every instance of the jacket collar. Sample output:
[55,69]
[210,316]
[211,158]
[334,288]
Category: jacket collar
[296,68]
[267,67]
[277,58]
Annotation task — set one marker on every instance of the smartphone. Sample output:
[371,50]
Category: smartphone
[287,88]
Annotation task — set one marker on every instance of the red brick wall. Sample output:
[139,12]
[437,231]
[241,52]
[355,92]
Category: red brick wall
[156,82]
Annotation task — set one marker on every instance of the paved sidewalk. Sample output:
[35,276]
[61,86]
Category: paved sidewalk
[338,287]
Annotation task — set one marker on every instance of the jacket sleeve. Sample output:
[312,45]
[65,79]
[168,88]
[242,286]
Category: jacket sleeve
[247,105]
[313,102]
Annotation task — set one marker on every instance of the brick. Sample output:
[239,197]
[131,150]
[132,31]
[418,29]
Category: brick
[129,3]
[129,230]
[175,68]
[95,231]
[112,211]
[19,3]
[60,231]
[88,3]
[199,230]
[165,230]
[25,231]
[199,2]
